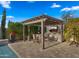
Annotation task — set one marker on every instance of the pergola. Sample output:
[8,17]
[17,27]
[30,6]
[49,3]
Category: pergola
[42,20]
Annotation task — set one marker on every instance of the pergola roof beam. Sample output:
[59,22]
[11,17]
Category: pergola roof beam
[33,22]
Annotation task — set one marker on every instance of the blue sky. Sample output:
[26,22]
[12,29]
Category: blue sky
[21,10]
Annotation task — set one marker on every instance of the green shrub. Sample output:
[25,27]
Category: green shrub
[17,28]
[72,29]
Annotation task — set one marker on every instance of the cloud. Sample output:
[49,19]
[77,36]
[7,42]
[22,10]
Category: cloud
[55,5]
[66,9]
[30,1]
[71,8]
[8,17]
[5,4]
[11,18]
[75,8]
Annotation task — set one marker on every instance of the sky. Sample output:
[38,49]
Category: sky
[18,11]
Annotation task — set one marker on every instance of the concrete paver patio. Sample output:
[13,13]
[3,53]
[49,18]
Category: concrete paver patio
[34,50]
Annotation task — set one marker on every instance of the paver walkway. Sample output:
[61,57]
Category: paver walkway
[33,50]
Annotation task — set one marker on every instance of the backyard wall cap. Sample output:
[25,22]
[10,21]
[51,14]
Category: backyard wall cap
[3,41]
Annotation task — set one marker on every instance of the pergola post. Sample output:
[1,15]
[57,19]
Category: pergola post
[28,27]
[42,34]
[23,32]
[62,32]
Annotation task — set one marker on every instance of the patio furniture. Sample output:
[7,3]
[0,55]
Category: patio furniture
[46,35]
[37,38]
[34,37]
[56,35]
[53,36]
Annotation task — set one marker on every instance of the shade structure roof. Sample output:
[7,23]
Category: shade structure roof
[49,20]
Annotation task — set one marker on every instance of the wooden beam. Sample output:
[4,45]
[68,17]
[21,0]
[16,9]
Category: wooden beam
[32,22]
[35,21]
[28,27]
[62,32]
[42,34]
[23,32]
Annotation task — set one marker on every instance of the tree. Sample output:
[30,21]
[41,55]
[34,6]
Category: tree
[3,23]
[66,16]
[15,27]
[72,29]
